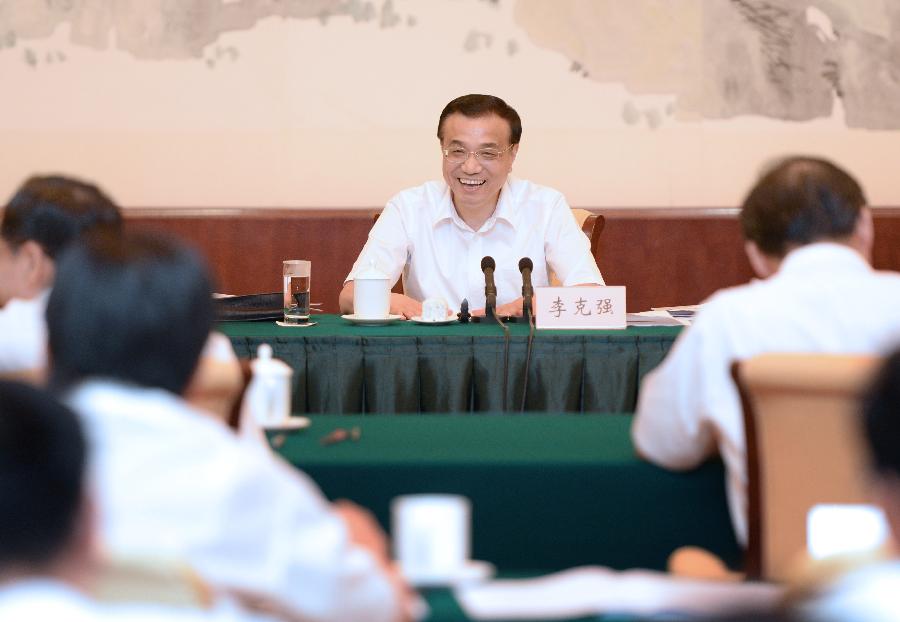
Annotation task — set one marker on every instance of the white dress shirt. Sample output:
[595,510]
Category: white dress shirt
[23,334]
[40,600]
[824,298]
[174,482]
[867,594]
[420,236]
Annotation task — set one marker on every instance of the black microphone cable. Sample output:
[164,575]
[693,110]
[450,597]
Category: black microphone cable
[490,311]
[505,358]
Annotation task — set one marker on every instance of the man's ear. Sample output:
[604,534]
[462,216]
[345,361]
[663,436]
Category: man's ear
[36,269]
[863,236]
[763,265]
[512,155]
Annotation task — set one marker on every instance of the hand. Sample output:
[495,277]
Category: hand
[510,309]
[405,306]
[364,530]
[366,533]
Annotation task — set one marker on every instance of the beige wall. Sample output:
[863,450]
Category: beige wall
[343,115]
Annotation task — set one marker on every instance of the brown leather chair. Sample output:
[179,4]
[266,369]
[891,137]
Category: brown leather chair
[804,447]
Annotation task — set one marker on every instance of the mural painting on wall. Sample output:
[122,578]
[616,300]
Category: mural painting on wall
[783,59]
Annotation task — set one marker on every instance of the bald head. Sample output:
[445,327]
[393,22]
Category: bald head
[799,201]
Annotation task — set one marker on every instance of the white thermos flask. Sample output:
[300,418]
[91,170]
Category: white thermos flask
[269,393]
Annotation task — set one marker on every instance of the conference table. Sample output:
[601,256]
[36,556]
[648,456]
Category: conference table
[548,491]
[403,367]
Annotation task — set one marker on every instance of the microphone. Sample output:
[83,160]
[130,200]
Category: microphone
[525,267]
[490,290]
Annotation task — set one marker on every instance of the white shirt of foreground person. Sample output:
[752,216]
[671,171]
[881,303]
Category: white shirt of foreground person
[174,482]
[824,298]
[23,337]
[23,334]
[34,600]
[420,236]
[867,594]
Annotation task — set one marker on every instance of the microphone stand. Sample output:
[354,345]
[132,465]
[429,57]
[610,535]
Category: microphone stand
[490,306]
[528,313]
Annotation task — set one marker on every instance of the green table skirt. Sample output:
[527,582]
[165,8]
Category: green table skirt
[409,368]
[548,492]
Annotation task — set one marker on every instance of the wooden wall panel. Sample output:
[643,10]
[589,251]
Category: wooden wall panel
[245,248]
[664,256]
[672,261]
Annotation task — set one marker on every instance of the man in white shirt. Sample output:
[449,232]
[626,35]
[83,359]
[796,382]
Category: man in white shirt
[49,560]
[40,220]
[435,235]
[130,317]
[809,236]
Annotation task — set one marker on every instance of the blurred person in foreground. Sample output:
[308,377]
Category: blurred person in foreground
[808,236]
[130,317]
[50,563]
[43,217]
[435,235]
[46,214]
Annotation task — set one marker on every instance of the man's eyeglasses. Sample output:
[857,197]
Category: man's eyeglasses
[458,155]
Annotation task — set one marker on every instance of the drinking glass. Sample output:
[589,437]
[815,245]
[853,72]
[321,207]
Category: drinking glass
[296,290]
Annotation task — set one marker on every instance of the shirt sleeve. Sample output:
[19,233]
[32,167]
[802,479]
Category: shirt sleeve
[387,246]
[672,427]
[567,249]
[285,542]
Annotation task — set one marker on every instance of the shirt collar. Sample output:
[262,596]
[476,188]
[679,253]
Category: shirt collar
[823,256]
[505,209]
[445,210]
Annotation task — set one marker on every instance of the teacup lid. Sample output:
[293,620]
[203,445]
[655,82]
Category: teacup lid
[371,273]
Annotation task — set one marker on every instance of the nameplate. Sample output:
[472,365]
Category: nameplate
[579,307]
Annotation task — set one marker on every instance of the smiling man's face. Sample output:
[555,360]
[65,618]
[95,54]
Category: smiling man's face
[475,184]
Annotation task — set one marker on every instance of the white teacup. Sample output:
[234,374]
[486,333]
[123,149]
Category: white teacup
[431,534]
[371,294]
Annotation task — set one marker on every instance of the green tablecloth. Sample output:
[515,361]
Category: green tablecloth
[548,492]
[406,367]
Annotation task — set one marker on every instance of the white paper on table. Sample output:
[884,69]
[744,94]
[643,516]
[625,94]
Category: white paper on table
[592,590]
[655,318]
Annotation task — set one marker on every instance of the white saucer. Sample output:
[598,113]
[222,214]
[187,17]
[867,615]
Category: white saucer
[449,320]
[291,325]
[473,571]
[292,423]
[371,321]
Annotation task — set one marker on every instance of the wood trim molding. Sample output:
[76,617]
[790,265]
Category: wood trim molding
[355,212]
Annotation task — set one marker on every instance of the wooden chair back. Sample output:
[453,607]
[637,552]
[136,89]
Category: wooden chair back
[804,447]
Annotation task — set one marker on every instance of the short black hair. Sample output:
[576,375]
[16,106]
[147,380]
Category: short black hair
[474,106]
[134,307]
[799,201]
[42,467]
[881,415]
[54,210]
